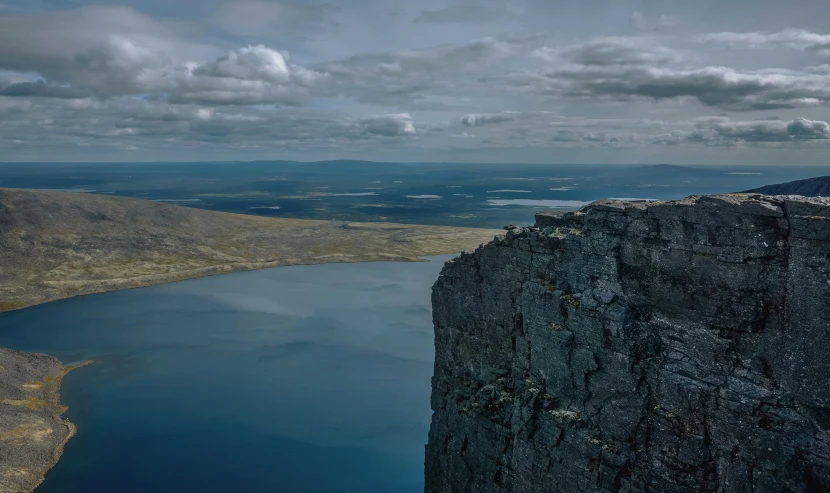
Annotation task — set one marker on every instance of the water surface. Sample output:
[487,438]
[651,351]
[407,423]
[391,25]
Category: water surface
[295,379]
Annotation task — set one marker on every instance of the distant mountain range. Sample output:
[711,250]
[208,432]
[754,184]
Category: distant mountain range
[811,187]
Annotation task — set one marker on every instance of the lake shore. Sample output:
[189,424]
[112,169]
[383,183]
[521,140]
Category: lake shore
[56,245]
[60,245]
[33,431]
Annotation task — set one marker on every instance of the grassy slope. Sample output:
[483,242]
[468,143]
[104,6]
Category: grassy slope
[55,245]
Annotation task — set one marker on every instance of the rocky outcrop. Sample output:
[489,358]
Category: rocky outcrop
[664,347]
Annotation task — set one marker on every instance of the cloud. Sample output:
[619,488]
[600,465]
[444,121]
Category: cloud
[247,76]
[609,51]
[638,20]
[802,128]
[476,120]
[405,76]
[620,69]
[722,131]
[263,17]
[638,68]
[720,87]
[249,63]
[796,39]
[40,89]
[461,14]
[49,43]
[389,125]
[218,79]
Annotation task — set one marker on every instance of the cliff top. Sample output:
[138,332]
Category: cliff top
[747,203]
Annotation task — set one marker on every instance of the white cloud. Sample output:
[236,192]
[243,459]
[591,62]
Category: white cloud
[796,39]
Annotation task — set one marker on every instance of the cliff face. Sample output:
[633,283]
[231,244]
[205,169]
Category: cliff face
[665,347]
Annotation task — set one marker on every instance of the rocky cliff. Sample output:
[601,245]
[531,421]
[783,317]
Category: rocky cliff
[664,347]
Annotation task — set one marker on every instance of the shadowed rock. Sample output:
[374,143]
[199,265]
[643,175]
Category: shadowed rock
[665,347]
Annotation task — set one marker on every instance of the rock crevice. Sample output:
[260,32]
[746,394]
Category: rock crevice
[664,347]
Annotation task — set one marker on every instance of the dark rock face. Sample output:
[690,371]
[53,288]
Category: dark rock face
[665,347]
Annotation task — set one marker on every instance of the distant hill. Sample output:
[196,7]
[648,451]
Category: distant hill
[55,244]
[811,187]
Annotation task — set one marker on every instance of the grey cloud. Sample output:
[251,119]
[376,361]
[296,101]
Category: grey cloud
[48,43]
[722,131]
[639,21]
[566,136]
[404,76]
[40,89]
[614,51]
[222,80]
[797,39]
[802,128]
[712,86]
[459,14]
[389,125]
[476,120]
[263,17]
[631,69]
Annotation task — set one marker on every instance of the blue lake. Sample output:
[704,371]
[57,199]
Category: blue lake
[295,379]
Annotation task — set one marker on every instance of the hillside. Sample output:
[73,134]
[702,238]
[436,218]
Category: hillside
[811,187]
[55,245]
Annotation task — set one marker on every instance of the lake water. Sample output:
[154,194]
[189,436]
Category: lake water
[295,379]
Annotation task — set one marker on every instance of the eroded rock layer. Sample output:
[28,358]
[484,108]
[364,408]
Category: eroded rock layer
[664,347]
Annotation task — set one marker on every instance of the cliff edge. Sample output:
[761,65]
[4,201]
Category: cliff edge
[665,347]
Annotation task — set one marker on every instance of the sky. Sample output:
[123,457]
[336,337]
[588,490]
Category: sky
[531,81]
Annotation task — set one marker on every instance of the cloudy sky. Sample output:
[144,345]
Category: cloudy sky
[559,81]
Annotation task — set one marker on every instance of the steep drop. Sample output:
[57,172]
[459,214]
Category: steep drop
[665,347]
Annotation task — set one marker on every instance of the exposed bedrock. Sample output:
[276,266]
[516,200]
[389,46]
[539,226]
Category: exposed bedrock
[665,347]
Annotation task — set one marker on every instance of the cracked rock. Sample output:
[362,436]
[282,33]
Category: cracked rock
[645,347]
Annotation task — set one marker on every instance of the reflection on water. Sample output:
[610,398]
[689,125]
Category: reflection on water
[296,379]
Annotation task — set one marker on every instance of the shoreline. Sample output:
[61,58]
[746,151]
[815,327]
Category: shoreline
[59,245]
[33,479]
[111,285]
[57,452]
[33,431]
